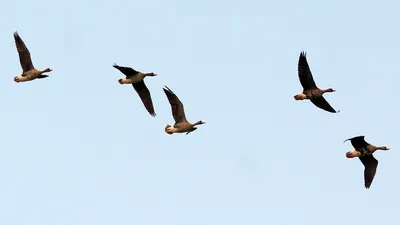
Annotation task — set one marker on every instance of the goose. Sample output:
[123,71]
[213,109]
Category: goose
[28,70]
[181,124]
[310,89]
[364,151]
[137,80]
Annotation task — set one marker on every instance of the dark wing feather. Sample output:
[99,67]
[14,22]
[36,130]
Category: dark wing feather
[358,142]
[144,94]
[178,111]
[305,75]
[323,104]
[24,54]
[370,164]
[128,71]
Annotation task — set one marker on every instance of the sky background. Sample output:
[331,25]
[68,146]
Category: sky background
[77,148]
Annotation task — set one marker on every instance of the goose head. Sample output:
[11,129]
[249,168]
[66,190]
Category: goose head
[47,70]
[16,79]
[150,74]
[199,123]
[329,90]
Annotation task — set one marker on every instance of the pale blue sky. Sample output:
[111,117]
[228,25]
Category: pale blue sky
[79,149]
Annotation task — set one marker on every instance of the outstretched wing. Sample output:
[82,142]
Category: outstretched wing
[358,142]
[370,164]
[24,54]
[178,111]
[323,104]
[128,71]
[145,96]
[305,75]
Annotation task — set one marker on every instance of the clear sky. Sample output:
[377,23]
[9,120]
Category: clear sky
[78,148]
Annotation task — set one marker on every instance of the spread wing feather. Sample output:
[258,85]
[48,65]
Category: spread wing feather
[323,104]
[127,71]
[177,109]
[370,164]
[24,54]
[145,96]
[305,75]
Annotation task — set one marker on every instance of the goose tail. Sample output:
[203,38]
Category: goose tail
[167,130]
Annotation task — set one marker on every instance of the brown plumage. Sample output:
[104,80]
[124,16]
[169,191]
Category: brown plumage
[181,124]
[310,89]
[28,70]
[364,151]
[137,80]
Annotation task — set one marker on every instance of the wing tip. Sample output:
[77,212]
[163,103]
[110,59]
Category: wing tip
[332,111]
[17,38]
[349,139]
[166,89]
[152,112]
[368,184]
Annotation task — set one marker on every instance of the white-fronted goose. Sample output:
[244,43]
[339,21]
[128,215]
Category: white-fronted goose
[310,89]
[364,151]
[28,70]
[137,80]
[181,124]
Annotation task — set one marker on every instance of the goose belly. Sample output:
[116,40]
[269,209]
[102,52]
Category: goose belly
[360,152]
[364,151]
[135,79]
[30,75]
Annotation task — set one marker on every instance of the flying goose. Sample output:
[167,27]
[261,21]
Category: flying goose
[364,151]
[310,89]
[28,70]
[181,124]
[137,80]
